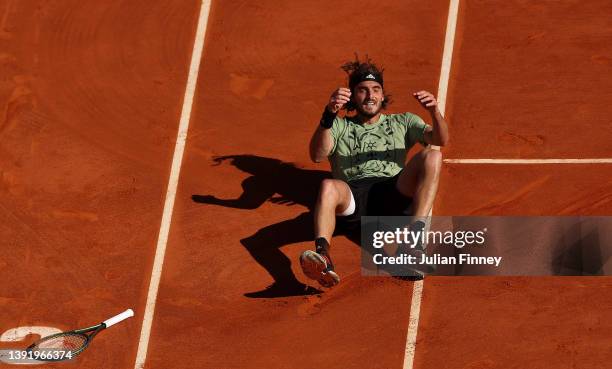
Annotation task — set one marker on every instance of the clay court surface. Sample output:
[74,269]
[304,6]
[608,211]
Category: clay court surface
[91,95]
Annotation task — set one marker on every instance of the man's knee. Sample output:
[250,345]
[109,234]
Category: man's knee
[432,160]
[329,192]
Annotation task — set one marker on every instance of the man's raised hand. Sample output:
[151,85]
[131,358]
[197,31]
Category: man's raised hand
[427,100]
[338,99]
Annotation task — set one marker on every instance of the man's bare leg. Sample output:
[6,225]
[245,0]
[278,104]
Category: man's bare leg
[419,180]
[334,197]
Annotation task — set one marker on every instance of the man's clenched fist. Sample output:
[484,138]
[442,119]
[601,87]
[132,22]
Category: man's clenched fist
[338,99]
[427,100]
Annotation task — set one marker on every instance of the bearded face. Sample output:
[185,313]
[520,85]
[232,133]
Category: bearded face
[368,97]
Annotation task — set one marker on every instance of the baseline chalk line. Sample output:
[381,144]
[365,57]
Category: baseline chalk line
[177,159]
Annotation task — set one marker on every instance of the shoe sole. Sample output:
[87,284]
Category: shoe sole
[314,267]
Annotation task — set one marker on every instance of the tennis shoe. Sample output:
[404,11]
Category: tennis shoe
[319,267]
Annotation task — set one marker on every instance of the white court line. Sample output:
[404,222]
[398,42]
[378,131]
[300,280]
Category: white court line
[177,159]
[530,161]
[417,291]
[447,55]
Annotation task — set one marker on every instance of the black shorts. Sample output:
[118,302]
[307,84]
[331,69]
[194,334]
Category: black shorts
[377,196]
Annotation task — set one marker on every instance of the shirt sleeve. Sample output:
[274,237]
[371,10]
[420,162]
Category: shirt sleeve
[337,130]
[416,128]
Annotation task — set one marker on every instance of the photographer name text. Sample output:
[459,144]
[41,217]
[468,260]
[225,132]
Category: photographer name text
[437,259]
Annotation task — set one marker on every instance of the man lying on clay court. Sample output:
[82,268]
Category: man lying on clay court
[367,152]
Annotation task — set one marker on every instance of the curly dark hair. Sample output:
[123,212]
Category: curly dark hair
[357,68]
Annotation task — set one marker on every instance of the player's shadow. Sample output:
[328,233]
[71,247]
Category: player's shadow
[291,185]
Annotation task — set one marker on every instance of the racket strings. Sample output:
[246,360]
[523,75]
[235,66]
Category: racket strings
[67,342]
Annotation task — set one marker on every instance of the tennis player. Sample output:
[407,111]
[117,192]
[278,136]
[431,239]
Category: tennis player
[367,151]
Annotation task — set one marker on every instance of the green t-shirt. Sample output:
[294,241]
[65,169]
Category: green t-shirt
[374,150]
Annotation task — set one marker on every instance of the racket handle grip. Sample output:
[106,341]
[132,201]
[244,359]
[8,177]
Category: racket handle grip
[119,317]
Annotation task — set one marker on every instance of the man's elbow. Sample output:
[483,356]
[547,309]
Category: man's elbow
[316,159]
[318,156]
[443,141]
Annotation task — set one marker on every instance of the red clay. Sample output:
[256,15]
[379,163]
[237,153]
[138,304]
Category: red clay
[568,189]
[266,74]
[538,322]
[523,86]
[90,97]
[528,80]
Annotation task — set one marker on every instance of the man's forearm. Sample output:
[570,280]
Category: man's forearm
[440,129]
[321,144]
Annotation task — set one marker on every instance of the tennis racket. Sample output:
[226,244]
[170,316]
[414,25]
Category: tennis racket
[71,343]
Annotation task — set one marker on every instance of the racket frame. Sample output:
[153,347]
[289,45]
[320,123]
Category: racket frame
[82,332]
